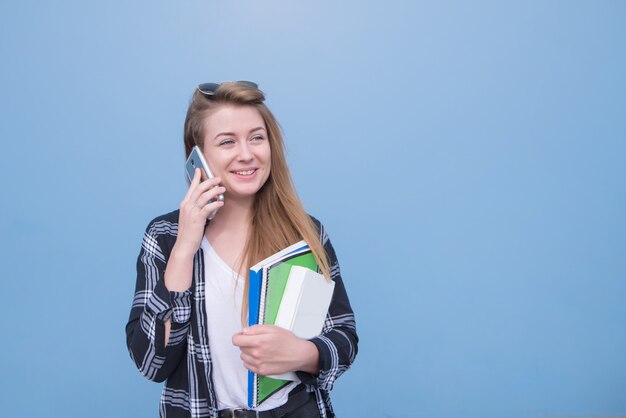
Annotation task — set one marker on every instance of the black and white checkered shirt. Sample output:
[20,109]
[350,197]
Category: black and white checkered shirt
[185,363]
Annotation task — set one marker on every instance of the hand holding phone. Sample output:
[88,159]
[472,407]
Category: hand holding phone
[196,160]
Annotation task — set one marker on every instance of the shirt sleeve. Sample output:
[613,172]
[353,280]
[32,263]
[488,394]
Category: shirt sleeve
[152,306]
[338,342]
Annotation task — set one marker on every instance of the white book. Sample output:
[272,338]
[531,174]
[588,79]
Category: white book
[304,306]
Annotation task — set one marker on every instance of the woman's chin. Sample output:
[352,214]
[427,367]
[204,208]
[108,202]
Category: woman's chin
[240,194]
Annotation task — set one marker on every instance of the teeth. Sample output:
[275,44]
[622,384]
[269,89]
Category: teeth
[245,173]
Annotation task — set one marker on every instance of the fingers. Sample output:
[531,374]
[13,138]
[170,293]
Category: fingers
[244,341]
[254,336]
[205,204]
[267,351]
[260,335]
[248,359]
[197,191]
[211,194]
[205,185]
[262,329]
[203,176]
[194,183]
[200,201]
[255,361]
[250,336]
[252,364]
[207,209]
[199,177]
[197,181]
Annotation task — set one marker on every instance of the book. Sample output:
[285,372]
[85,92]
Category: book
[258,273]
[303,307]
[305,302]
[267,283]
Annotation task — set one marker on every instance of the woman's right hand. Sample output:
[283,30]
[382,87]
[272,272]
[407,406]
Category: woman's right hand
[194,210]
[192,217]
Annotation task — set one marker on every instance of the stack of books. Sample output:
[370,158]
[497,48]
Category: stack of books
[286,290]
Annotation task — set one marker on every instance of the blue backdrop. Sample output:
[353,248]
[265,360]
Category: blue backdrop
[468,159]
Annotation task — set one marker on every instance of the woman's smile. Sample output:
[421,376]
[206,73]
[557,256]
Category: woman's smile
[247,173]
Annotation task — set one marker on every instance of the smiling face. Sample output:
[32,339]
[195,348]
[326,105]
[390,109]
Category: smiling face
[236,147]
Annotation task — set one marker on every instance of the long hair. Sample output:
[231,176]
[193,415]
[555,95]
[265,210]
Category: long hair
[278,217]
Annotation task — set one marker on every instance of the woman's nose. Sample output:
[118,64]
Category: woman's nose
[245,153]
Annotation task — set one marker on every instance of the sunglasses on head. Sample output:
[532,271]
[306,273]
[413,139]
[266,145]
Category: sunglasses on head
[209,89]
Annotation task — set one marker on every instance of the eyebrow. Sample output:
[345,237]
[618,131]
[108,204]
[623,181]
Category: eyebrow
[260,128]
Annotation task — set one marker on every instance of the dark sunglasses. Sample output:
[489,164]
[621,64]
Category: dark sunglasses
[209,89]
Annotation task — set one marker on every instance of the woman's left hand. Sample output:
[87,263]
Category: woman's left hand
[268,349]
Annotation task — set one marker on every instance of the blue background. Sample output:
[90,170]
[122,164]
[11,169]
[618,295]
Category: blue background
[468,159]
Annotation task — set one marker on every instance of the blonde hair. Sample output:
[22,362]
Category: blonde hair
[278,218]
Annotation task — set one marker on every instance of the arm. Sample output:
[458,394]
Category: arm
[156,355]
[159,319]
[177,278]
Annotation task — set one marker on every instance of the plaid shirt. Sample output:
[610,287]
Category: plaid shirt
[186,363]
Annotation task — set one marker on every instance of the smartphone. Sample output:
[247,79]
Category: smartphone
[196,160]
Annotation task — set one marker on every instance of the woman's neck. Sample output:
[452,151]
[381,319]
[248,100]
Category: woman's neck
[228,232]
[234,215]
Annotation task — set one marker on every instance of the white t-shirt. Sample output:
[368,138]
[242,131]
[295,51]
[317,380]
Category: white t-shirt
[224,294]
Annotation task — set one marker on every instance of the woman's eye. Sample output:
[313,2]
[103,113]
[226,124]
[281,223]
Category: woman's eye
[258,138]
[227,142]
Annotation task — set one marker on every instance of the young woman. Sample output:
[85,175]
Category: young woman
[185,325]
